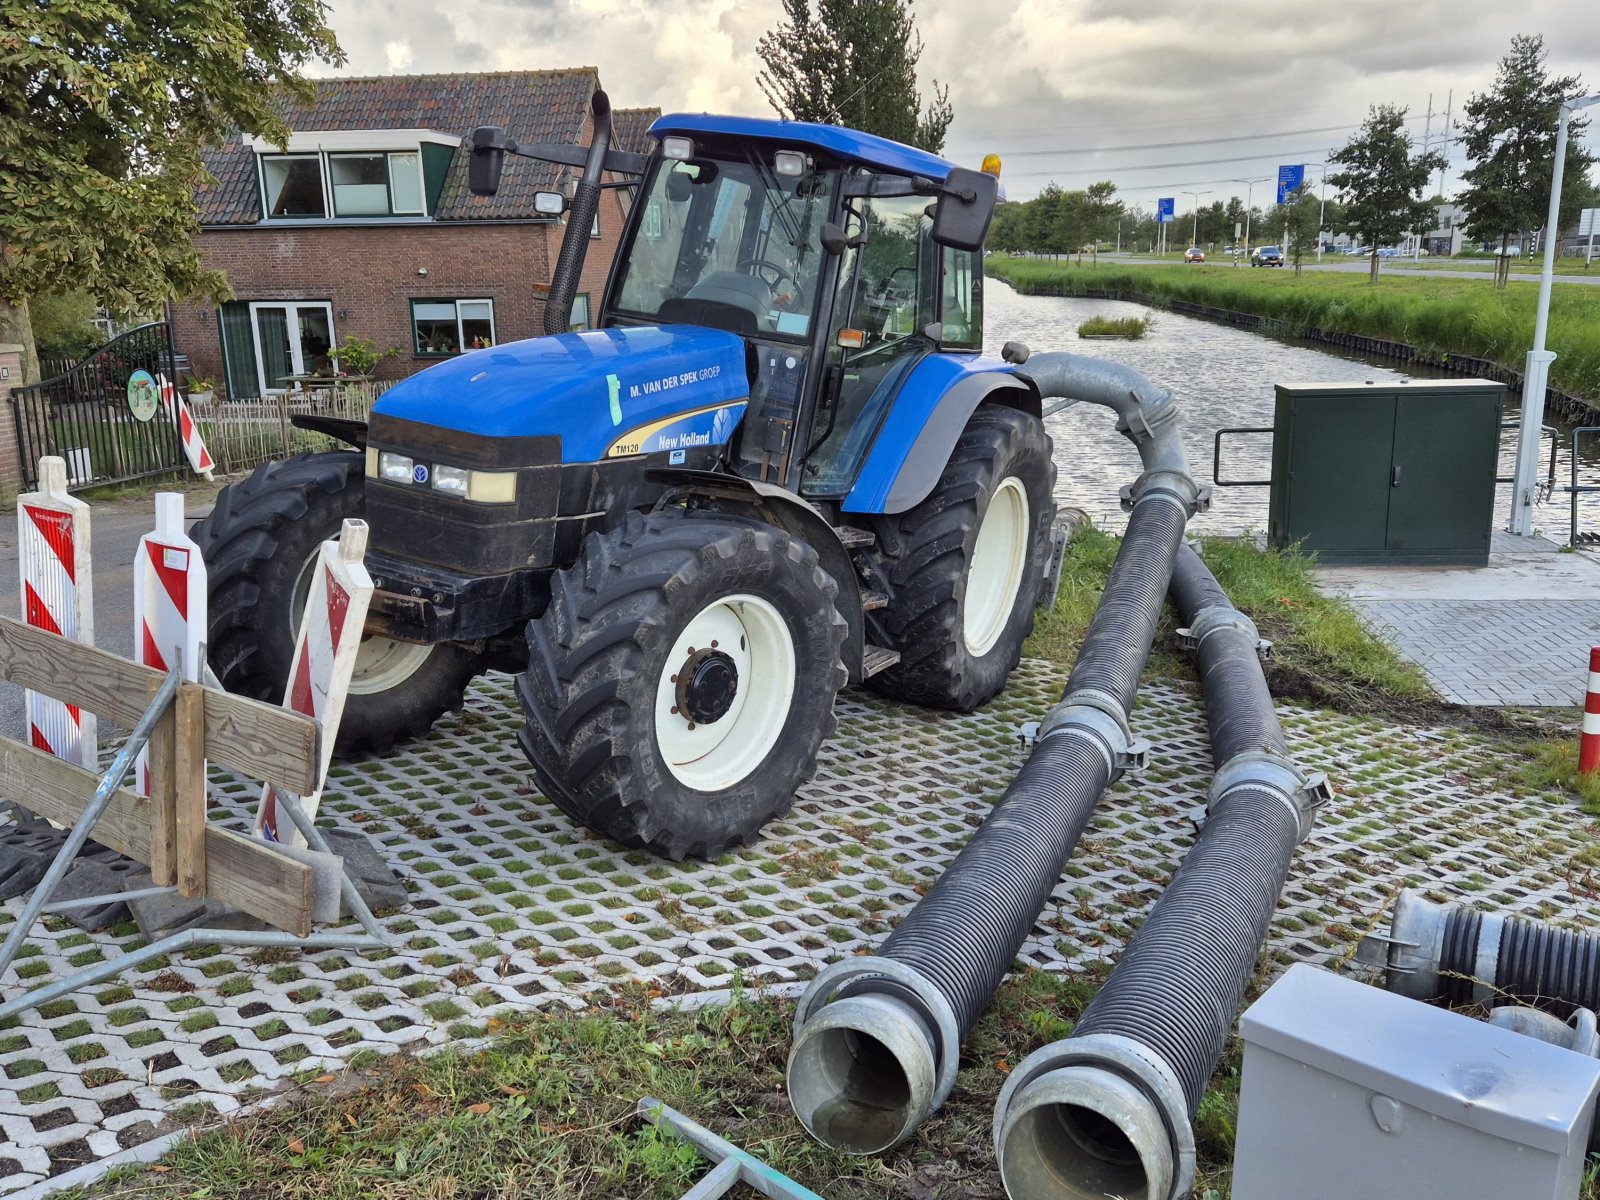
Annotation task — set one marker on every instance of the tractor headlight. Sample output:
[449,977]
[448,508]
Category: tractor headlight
[451,479]
[396,467]
[492,487]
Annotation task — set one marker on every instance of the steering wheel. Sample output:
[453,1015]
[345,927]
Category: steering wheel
[781,272]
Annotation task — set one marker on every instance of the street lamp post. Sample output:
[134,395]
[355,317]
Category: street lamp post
[1194,225]
[1249,191]
[1536,372]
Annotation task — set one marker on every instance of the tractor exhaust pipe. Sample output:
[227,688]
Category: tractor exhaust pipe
[580,219]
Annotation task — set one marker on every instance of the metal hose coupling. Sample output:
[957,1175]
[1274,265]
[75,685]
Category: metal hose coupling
[1173,484]
[1220,617]
[876,1049]
[1098,719]
[1091,1117]
[1305,792]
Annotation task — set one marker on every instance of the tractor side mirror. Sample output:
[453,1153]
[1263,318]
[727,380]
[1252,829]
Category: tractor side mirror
[836,241]
[966,203]
[488,147]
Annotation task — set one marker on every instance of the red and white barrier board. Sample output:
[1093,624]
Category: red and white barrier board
[324,660]
[57,574]
[1589,743]
[169,601]
[194,446]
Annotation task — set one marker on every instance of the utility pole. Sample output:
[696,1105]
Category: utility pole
[1322,207]
[1449,104]
[1537,371]
[1249,192]
[1194,225]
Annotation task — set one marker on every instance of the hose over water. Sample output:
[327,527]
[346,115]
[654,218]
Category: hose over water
[877,1039]
[1109,1111]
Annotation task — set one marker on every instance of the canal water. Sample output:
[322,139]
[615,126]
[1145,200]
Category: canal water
[1223,378]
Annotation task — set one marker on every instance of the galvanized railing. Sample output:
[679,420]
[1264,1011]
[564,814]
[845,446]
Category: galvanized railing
[85,415]
[1581,537]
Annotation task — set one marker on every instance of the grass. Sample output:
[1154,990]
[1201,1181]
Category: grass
[1552,763]
[547,1110]
[1321,650]
[1449,316]
[1121,327]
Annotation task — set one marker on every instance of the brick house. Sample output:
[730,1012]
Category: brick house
[363,226]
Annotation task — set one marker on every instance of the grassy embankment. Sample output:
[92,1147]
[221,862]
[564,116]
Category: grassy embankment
[1452,316]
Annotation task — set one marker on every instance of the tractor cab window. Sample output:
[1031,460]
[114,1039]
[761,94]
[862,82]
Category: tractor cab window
[887,294]
[729,243]
[961,301]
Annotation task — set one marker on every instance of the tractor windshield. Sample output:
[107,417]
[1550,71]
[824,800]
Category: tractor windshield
[728,242]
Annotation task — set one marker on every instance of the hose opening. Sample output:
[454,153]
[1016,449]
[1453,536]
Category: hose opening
[861,1075]
[1083,1134]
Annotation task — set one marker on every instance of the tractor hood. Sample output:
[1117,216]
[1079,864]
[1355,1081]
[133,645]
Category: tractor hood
[604,392]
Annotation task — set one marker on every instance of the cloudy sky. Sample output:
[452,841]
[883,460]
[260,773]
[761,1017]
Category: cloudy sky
[1181,96]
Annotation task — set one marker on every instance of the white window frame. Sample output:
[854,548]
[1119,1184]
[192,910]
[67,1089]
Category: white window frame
[296,358]
[461,340]
[261,186]
[325,168]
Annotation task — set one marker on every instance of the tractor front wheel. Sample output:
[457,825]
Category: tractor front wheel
[260,544]
[681,681]
[964,567]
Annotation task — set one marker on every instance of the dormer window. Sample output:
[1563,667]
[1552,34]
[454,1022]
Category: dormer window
[376,185]
[293,185]
[325,175]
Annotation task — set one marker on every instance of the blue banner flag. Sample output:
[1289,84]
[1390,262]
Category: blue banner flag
[1290,180]
[1165,209]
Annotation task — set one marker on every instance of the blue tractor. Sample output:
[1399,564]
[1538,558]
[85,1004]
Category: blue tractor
[779,463]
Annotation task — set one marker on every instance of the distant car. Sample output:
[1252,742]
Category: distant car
[1230,249]
[1266,256]
[1194,254]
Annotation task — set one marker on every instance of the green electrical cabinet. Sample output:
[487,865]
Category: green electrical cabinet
[1386,473]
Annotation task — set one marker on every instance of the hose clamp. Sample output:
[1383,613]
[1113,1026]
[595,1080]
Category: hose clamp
[1303,792]
[1219,616]
[1133,1061]
[854,976]
[1097,718]
[1176,487]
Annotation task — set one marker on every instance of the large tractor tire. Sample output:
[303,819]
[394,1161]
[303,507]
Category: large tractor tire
[681,681]
[963,569]
[260,543]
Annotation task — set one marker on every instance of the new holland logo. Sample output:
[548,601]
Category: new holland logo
[419,473]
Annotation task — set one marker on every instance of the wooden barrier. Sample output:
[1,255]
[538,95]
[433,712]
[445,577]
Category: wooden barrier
[168,830]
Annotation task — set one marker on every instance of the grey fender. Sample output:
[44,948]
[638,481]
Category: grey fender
[795,516]
[924,463]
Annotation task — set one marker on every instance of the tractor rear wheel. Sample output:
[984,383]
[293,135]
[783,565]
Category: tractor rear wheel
[963,568]
[260,543]
[681,681]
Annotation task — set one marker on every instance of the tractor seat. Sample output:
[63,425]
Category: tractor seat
[736,290]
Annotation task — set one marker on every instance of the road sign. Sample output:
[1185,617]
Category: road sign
[1166,209]
[1290,180]
[1588,222]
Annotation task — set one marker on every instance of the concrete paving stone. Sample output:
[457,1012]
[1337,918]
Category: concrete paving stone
[509,906]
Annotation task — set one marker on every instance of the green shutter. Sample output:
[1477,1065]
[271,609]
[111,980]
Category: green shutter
[238,352]
[435,166]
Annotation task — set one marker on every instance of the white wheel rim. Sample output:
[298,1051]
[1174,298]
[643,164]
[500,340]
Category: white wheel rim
[710,756]
[381,663]
[995,573]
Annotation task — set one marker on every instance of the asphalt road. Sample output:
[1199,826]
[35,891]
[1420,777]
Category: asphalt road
[117,527]
[1357,266]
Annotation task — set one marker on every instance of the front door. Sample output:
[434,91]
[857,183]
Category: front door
[291,338]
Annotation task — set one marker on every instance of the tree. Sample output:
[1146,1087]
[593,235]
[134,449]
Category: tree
[1302,218]
[1382,181]
[105,106]
[854,63]
[1509,133]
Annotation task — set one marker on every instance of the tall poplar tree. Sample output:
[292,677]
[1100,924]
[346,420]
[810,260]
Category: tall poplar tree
[853,63]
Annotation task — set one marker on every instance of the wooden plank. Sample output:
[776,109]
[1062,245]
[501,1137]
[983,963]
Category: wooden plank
[189,807]
[241,871]
[260,740]
[250,875]
[163,746]
[59,790]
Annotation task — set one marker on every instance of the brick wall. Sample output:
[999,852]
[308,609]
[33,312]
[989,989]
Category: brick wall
[10,466]
[369,275]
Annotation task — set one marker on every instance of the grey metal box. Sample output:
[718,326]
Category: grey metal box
[1352,1093]
[1386,473]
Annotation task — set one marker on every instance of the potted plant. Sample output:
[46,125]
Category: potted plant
[201,389]
[358,357]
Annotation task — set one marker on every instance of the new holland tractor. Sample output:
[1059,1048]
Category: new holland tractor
[779,463]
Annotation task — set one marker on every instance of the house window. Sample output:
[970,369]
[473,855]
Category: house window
[292,185]
[443,327]
[265,345]
[580,312]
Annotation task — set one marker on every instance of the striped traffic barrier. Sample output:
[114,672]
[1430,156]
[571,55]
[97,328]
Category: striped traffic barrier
[57,575]
[1589,743]
[324,660]
[194,446]
[169,601]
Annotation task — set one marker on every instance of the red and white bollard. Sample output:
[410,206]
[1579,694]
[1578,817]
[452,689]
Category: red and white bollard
[194,445]
[1589,743]
[57,573]
[169,601]
[324,660]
